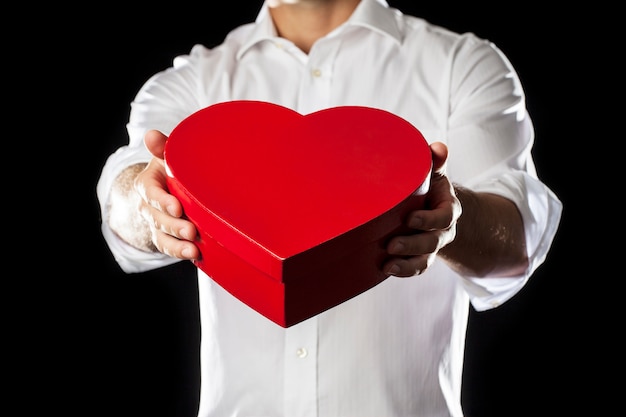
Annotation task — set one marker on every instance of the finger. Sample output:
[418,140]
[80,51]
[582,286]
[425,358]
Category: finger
[406,267]
[444,209]
[169,245]
[170,235]
[150,185]
[428,220]
[163,201]
[173,226]
[418,244]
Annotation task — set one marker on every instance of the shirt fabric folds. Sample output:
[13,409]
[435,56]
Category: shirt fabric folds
[397,349]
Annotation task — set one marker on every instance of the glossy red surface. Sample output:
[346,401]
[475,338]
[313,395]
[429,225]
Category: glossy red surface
[294,211]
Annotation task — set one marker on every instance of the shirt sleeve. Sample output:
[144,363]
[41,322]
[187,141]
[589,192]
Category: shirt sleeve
[129,258]
[490,139]
[161,103]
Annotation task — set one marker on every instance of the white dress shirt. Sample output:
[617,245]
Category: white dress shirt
[397,349]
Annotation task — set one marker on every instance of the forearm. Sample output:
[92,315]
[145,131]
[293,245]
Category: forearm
[124,215]
[490,239]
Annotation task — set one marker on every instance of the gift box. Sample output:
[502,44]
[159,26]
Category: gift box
[294,211]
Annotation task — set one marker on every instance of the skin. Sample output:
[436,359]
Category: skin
[476,234]
[305,21]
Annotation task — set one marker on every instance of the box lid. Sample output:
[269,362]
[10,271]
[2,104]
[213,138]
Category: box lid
[277,188]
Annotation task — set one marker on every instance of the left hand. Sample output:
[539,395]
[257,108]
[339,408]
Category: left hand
[435,226]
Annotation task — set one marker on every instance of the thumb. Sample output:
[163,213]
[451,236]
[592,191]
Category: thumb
[440,155]
[155,142]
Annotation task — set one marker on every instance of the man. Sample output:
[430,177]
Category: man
[397,349]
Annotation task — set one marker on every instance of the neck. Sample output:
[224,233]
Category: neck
[305,21]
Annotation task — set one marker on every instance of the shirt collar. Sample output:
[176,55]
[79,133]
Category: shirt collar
[372,14]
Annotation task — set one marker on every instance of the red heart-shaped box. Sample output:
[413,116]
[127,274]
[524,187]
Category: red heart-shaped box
[294,211]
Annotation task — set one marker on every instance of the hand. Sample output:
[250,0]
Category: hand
[435,227]
[171,234]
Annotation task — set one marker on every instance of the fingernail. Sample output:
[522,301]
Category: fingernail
[398,247]
[416,222]
[186,252]
[393,270]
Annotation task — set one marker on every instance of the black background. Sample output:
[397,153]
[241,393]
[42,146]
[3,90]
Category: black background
[127,345]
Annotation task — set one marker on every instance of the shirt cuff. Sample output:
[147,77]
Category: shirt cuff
[541,211]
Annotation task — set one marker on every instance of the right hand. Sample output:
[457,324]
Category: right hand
[171,233]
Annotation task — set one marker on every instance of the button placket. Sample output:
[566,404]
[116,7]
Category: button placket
[315,89]
[301,369]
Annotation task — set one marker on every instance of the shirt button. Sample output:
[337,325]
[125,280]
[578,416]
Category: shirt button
[316,72]
[302,352]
